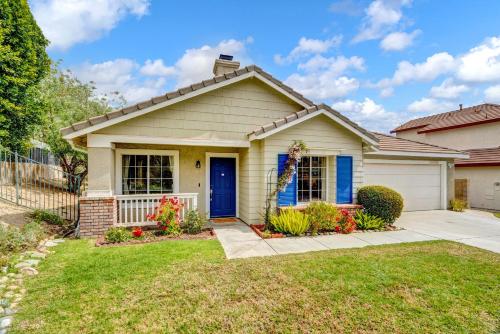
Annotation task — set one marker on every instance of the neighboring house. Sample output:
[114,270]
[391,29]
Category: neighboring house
[475,130]
[220,143]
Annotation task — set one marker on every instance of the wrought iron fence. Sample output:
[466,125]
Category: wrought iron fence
[29,183]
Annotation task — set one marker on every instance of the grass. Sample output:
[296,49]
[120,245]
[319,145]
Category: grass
[496,214]
[188,287]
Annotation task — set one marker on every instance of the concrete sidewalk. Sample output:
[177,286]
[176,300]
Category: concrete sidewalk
[239,241]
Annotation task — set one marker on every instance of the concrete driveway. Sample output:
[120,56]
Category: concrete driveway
[474,228]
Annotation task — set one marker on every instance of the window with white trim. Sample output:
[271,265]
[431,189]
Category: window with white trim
[147,174]
[311,179]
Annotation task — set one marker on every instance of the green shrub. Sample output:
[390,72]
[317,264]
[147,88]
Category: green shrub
[47,216]
[117,234]
[193,222]
[322,216]
[290,221]
[366,221]
[381,202]
[13,239]
[458,205]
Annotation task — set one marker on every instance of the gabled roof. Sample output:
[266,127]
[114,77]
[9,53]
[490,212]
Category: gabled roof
[483,113]
[307,113]
[481,157]
[181,94]
[390,145]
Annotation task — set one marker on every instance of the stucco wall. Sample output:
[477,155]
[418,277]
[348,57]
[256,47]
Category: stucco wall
[101,171]
[482,191]
[228,113]
[478,136]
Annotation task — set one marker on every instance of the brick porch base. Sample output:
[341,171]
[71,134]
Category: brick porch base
[97,215]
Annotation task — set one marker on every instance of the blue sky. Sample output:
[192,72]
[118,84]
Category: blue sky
[380,62]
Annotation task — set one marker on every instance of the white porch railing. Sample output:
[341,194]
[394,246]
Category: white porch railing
[132,209]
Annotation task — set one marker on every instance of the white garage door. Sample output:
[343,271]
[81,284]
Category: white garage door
[419,184]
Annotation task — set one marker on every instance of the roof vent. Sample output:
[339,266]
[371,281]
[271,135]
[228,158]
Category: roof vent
[225,64]
[460,105]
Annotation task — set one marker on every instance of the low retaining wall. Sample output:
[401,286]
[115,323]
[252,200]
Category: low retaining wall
[97,215]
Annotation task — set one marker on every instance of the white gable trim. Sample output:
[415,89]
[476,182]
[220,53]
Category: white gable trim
[309,116]
[98,140]
[419,154]
[181,98]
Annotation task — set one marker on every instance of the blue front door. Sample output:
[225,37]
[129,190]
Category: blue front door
[222,187]
[344,179]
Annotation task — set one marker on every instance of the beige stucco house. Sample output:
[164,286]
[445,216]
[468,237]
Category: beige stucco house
[219,145]
[475,130]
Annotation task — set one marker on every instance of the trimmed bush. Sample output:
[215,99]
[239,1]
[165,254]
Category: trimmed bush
[458,205]
[193,222]
[322,216]
[366,221]
[290,221]
[117,234]
[381,202]
[47,216]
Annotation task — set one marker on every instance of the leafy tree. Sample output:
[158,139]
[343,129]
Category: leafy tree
[23,63]
[63,100]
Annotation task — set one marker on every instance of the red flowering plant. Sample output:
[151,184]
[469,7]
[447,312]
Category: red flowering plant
[137,232]
[167,216]
[345,222]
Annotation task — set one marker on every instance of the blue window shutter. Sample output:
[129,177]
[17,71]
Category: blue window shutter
[289,196]
[344,180]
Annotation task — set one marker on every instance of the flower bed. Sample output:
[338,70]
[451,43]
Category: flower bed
[320,218]
[156,236]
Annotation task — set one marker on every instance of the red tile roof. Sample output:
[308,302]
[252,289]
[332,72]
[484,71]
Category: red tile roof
[391,143]
[483,113]
[481,157]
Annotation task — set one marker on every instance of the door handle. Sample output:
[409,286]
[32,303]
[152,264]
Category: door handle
[211,192]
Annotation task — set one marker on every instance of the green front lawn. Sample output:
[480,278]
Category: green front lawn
[497,214]
[188,286]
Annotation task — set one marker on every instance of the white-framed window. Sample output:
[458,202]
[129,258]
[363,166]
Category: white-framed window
[312,179]
[147,172]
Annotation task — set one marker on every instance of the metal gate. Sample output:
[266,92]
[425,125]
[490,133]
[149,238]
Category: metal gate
[28,183]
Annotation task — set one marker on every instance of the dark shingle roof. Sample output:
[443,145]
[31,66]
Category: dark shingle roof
[182,91]
[481,157]
[483,113]
[391,143]
[311,110]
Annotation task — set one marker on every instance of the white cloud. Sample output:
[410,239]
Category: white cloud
[324,78]
[368,114]
[381,17]
[119,75]
[448,90]
[308,46]
[434,66]
[336,65]
[481,63]
[348,7]
[430,106]
[492,94]
[323,86]
[137,83]
[68,22]
[196,64]
[398,41]
[156,68]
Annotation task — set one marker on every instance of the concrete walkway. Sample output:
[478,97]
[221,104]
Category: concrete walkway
[474,228]
[239,241]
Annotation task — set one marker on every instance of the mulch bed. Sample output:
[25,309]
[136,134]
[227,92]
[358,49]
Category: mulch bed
[206,234]
[259,230]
